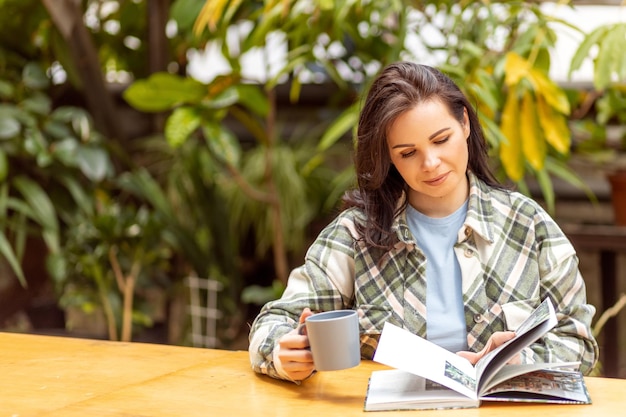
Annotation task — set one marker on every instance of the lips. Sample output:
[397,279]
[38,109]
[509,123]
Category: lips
[437,180]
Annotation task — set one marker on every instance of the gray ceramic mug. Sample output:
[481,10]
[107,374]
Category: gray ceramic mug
[334,339]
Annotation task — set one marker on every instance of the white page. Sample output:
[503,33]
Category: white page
[541,320]
[403,350]
[399,390]
[510,371]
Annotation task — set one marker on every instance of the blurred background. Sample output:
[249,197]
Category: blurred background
[164,164]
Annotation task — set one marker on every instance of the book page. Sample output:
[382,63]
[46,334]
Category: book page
[550,386]
[510,371]
[399,390]
[541,321]
[403,350]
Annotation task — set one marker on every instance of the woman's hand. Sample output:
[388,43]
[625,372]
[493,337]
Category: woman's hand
[496,339]
[293,353]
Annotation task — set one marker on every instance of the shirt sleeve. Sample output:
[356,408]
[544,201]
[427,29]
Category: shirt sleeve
[571,339]
[324,282]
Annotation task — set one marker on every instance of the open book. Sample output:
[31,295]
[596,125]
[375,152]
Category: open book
[428,376]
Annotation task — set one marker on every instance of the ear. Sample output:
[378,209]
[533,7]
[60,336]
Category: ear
[466,124]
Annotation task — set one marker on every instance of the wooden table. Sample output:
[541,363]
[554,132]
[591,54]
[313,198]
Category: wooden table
[58,376]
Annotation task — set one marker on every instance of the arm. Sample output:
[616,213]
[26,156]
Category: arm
[551,270]
[571,339]
[325,282]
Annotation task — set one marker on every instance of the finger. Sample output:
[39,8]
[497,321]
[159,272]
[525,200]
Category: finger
[303,316]
[300,375]
[294,340]
[302,356]
[499,338]
[472,357]
[297,364]
[515,360]
[305,313]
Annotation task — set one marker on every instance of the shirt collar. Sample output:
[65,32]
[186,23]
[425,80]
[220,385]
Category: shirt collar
[480,209]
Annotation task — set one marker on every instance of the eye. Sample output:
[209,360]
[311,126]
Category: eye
[442,141]
[407,154]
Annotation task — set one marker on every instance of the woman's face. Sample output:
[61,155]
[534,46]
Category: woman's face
[428,147]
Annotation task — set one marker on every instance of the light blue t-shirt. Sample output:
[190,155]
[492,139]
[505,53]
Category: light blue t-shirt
[444,295]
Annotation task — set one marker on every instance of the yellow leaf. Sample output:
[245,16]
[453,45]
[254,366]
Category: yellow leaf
[511,151]
[554,126]
[270,4]
[532,138]
[209,15]
[286,7]
[515,69]
[546,88]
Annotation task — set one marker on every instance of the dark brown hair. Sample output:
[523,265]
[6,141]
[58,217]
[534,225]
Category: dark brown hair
[398,88]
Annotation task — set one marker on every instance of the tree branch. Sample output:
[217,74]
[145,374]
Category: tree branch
[68,18]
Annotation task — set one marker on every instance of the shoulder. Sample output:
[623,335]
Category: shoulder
[504,202]
[513,211]
[342,229]
[515,204]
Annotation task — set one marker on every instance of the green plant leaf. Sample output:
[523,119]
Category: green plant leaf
[610,56]
[83,200]
[65,151]
[4,166]
[7,90]
[252,97]
[342,124]
[57,129]
[585,47]
[9,126]
[224,99]
[222,143]
[42,208]
[79,119]
[35,142]
[563,171]
[7,252]
[163,91]
[38,103]
[547,190]
[34,76]
[180,125]
[93,162]
[185,12]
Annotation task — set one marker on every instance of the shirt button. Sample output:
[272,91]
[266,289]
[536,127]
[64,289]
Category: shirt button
[468,231]
[478,318]
[468,253]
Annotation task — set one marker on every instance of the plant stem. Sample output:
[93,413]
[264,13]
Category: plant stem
[127,288]
[108,310]
[280,252]
[608,313]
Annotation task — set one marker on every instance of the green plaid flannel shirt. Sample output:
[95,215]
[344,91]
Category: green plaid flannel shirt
[512,256]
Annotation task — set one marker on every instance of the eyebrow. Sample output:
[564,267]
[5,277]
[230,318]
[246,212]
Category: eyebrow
[406,145]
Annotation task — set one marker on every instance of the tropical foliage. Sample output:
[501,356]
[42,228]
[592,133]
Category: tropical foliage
[226,164]
[346,42]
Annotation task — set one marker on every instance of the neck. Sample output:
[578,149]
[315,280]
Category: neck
[440,206]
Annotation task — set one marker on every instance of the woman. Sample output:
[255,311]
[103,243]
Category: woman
[430,242]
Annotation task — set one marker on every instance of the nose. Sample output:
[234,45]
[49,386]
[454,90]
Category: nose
[431,161]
